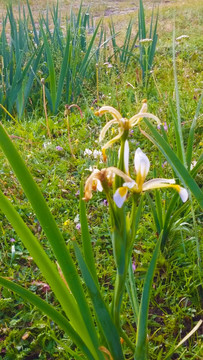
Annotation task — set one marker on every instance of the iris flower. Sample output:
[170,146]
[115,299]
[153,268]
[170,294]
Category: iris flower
[102,178]
[123,123]
[142,164]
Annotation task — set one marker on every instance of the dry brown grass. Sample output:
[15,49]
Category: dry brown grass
[105,8]
[121,11]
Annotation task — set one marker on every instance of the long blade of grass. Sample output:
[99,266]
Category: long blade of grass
[196,168]
[154,213]
[36,38]
[113,37]
[140,350]
[106,324]
[177,165]
[63,71]
[30,80]
[131,50]
[154,41]
[52,75]
[132,292]
[179,133]
[125,48]
[50,311]
[17,80]
[50,228]
[141,17]
[87,56]
[86,240]
[13,30]
[192,133]
[177,144]
[159,207]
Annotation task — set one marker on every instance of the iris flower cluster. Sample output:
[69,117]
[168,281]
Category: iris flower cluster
[102,179]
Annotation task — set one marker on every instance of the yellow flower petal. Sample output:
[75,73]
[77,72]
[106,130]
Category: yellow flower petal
[106,128]
[104,109]
[138,117]
[112,141]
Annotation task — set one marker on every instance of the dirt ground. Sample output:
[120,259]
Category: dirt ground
[106,8]
[119,10]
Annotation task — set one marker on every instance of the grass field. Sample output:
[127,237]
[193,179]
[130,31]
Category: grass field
[47,67]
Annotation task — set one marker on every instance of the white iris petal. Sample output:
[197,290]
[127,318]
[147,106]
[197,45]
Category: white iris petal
[183,194]
[120,196]
[130,184]
[157,183]
[141,163]
[99,186]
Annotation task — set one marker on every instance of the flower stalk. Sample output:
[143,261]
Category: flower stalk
[118,184]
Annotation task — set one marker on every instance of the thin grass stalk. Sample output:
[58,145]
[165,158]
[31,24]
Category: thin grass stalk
[52,74]
[192,133]
[87,57]
[63,71]
[180,134]
[45,107]
[159,207]
[141,339]
[97,81]
[8,113]
[66,113]
[36,38]
[154,39]
[108,327]
[31,77]
[132,292]
[154,213]
[86,239]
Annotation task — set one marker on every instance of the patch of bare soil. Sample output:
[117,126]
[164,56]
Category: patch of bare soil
[106,8]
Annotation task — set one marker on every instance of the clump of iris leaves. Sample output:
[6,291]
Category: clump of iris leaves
[91,65]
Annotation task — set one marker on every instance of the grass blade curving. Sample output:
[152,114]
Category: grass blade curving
[177,165]
[86,240]
[106,323]
[140,350]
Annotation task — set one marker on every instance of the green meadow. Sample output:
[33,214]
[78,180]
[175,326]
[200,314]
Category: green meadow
[101,180]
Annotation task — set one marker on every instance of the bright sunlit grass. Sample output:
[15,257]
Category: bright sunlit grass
[64,147]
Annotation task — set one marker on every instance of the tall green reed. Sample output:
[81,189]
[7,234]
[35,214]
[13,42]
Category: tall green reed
[125,53]
[17,60]
[147,43]
[61,57]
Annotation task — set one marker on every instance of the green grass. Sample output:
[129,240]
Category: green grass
[176,301]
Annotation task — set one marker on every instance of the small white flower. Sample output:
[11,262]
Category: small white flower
[77,219]
[193,163]
[147,40]
[182,37]
[97,154]
[87,152]
[46,144]
[90,168]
